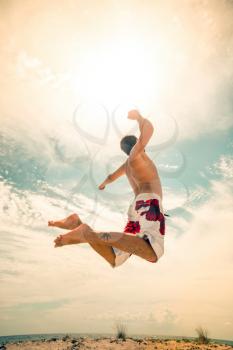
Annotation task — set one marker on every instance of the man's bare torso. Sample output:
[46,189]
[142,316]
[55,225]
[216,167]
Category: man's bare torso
[143,175]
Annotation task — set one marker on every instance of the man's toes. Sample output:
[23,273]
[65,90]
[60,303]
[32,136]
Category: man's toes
[58,238]
[58,241]
[50,223]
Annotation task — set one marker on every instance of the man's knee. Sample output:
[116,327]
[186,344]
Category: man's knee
[112,260]
[152,257]
[113,265]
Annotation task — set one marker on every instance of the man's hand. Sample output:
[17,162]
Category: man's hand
[107,181]
[134,115]
[102,186]
[112,177]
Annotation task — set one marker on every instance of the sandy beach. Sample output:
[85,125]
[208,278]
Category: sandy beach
[112,344]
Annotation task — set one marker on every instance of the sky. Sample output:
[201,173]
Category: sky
[70,71]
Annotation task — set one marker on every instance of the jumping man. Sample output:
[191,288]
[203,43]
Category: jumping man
[144,232]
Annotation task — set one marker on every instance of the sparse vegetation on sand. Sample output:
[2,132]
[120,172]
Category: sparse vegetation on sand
[121,331]
[202,335]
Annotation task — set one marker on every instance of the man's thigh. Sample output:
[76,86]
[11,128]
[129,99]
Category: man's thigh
[136,245]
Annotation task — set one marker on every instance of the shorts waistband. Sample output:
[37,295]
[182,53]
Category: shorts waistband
[148,195]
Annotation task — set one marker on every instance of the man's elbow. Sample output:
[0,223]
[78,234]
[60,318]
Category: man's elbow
[150,128]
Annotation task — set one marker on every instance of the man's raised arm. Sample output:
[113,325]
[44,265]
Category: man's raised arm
[146,129]
[112,177]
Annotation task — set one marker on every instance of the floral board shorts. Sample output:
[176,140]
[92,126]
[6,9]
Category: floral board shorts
[146,220]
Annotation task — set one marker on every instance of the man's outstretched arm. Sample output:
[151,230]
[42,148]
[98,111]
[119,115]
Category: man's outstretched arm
[146,129]
[112,177]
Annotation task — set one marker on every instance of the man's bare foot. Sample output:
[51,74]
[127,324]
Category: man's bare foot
[73,237]
[70,222]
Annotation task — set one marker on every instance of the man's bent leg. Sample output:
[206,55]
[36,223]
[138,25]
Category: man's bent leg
[128,243]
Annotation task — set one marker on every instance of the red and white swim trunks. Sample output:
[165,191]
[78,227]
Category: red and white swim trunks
[146,220]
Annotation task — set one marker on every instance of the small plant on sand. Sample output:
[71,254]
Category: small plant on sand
[52,339]
[202,335]
[121,331]
[66,337]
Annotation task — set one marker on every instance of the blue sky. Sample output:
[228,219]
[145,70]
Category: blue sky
[67,90]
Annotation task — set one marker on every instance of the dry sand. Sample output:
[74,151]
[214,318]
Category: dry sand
[113,344]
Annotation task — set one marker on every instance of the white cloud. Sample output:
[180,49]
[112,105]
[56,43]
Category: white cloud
[190,285]
[225,167]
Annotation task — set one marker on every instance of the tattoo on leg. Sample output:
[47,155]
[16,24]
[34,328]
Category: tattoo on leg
[105,236]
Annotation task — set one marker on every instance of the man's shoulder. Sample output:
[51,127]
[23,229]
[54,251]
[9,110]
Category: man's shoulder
[140,158]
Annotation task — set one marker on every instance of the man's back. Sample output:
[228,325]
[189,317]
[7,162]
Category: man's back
[143,175]
[139,168]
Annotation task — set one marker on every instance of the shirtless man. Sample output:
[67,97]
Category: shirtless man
[144,232]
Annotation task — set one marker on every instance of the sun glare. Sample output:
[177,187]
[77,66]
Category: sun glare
[123,72]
